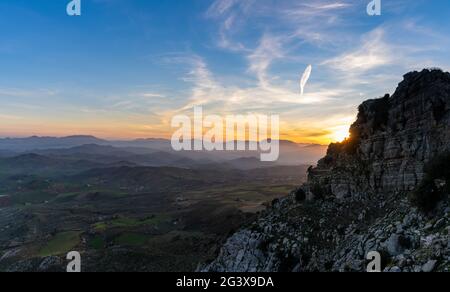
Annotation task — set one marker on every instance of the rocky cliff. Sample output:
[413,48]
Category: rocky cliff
[359,197]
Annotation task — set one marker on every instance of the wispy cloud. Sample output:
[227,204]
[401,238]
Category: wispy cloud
[220,7]
[243,56]
[150,94]
[372,53]
[270,48]
[219,98]
[352,64]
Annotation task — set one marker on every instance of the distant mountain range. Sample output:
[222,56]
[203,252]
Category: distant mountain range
[152,152]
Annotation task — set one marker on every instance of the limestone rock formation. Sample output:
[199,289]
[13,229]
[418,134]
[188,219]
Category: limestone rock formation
[356,199]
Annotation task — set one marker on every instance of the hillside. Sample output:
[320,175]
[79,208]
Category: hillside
[385,189]
[126,217]
[149,152]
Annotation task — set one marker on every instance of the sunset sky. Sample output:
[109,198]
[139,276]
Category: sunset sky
[124,68]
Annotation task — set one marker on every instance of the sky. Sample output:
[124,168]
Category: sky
[124,68]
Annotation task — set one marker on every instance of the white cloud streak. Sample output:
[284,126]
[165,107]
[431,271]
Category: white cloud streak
[374,52]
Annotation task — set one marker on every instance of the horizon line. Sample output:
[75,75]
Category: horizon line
[111,139]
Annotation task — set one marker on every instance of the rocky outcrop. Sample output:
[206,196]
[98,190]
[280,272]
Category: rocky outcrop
[356,199]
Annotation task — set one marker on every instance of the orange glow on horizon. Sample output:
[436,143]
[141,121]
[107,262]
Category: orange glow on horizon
[338,136]
[311,132]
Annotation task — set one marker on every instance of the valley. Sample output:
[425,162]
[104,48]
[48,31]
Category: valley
[125,216]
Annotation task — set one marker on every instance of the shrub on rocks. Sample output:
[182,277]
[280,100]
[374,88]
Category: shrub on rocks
[320,191]
[300,195]
[435,184]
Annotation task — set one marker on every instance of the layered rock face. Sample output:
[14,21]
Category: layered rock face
[392,139]
[356,198]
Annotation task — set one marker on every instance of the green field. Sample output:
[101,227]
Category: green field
[126,222]
[132,239]
[97,242]
[168,228]
[61,243]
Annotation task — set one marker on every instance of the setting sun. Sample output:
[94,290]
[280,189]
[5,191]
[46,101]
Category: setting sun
[340,134]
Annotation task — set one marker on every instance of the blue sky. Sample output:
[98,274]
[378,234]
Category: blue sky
[124,68]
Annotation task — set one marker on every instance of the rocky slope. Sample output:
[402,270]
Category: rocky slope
[358,198]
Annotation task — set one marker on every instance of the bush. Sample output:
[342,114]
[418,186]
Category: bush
[428,194]
[438,168]
[319,191]
[275,202]
[381,113]
[300,195]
